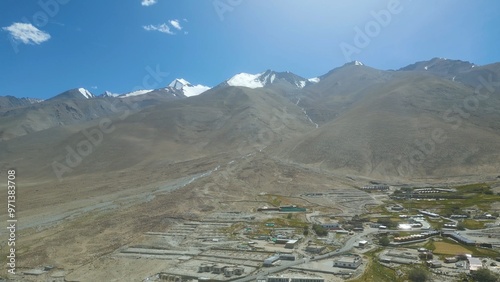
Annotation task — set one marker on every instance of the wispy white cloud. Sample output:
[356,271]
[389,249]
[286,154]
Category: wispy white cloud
[160,27]
[27,33]
[166,27]
[148,2]
[175,24]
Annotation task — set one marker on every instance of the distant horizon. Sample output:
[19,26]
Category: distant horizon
[52,46]
[211,86]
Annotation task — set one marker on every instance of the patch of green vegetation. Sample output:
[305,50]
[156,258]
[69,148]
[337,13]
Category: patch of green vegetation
[375,271]
[384,241]
[390,222]
[296,221]
[483,201]
[436,224]
[418,274]
[265,227]
[485,275]
[479,252]
[479,188]
[429,245]
[479,194]
[482,252]
[275,201]
[377,209]
[473,224]
[319,230]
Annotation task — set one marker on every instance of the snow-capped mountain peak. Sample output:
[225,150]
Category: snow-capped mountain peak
[187,88]
[179,83]
[86,93]
[109,94]
[136,93]
[246,80]
[314,79]
[266,78]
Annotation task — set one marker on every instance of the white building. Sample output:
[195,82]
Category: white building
[352,262]
[271,260]
[290,244]
[474,263]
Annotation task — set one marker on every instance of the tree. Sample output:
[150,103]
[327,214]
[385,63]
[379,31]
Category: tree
[386,222]
[306,230]
[418,275]
[320,230]
[384,241]
[460,226]
[484,275]
[463,277]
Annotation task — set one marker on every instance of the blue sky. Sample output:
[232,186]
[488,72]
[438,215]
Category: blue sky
[49,46]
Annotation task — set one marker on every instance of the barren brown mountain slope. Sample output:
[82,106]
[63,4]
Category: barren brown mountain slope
[414,125]
[82,168]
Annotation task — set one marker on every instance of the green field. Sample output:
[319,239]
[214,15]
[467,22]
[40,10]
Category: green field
[450,247]
[479,195]
[473,224]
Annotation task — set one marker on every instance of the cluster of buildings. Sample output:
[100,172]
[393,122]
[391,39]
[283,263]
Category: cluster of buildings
[270,261]
[169,277]
[227,270]
[485,216]
[375,187]
[331,226]
[284,240]
[473,263]
[425,254]
[415,237]
[433,190]
[290,208]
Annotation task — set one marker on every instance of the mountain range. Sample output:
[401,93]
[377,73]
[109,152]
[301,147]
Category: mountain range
[95,173]
[433,118]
